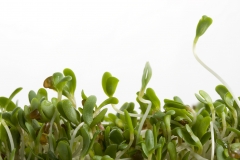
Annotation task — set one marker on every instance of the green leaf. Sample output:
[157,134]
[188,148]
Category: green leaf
[63,150]
[203,25]
[147,74]
[31,130]
[60,81]
[48,109]
[149,140]
[237,132]
[153,98]
[97,149]
[106,135]
[110,100]
[111,85]
[203,127]
[186,156]
[12,154]
[194,137]
[42,94]
[129,121]
[221,90]
[86,140]
[98,118]
[31,95]
[6,104]
[205,137]
[83,95]
[16,91]
[60,85]
[220,109]
[111,150]
[229,99]
[73,82]
[105,77]
[219,152]
[177,99]
[14,115]
[21,120]
[70,111]
[116,136]
[88,109]
[205,96]
[171,147]
[67,110]
[106,157]
[3,134]
[145,150]
[182,132]
[200,99]
[161,141]
[175,104]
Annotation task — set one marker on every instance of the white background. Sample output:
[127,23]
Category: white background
[38,38]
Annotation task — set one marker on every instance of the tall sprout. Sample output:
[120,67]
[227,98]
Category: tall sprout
[202,26]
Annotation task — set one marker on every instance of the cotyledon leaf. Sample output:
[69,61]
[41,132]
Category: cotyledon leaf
[105,77]
[99,118]
[88,109]
[111,85]
[73,82]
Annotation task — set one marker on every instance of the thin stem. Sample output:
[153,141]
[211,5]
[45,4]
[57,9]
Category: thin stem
[50,130]
[125,150]
[215,74]
[74,133]
[212,139]
[224,124]
[144,116]
[9,134]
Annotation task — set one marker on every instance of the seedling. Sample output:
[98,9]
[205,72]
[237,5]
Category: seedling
[58,128]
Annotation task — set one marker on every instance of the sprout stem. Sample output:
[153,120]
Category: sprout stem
[129,145]
[224,124]
[144,116]
[9,134]
[212,139]
[215,74]
[74,133]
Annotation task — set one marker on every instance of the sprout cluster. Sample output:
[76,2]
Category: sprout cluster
[59,129]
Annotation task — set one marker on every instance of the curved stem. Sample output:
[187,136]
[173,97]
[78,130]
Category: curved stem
[125,150]
[215,74]
[212,139]
[144,116]
[9,134]
[74,133]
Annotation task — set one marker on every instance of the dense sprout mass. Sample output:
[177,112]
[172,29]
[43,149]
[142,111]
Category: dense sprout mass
[58,128]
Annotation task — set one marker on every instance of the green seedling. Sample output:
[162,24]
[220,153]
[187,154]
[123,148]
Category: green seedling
[58,128]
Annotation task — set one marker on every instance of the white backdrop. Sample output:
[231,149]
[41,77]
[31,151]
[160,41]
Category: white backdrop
[38,38]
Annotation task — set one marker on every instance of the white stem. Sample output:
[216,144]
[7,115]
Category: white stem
[212,139]
[224,125]
[215,74]
[9,134]
[144,116]
[74,133]
[129,145]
